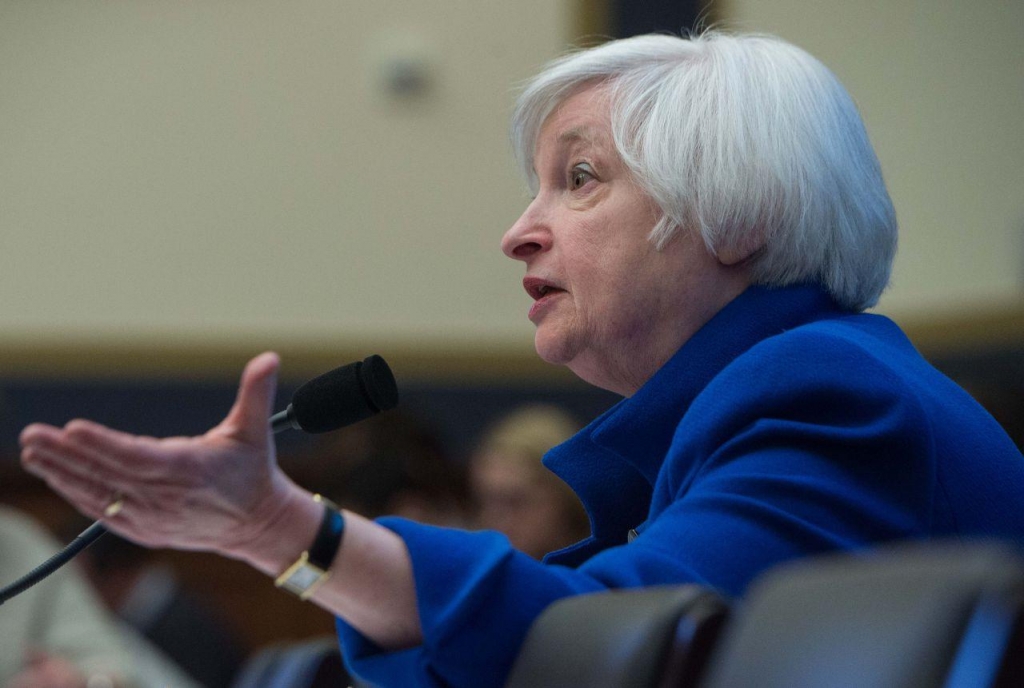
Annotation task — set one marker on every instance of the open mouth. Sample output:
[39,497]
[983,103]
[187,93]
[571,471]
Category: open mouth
[538,289]
[545,290]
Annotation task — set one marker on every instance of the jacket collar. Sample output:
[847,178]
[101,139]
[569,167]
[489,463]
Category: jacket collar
[613,463]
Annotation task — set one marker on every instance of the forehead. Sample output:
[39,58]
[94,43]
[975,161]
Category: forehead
[582,118]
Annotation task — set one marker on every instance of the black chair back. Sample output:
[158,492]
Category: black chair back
[657,637]
[915,616]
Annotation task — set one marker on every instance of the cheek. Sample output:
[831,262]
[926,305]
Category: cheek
[619,287]
[608,261]
[601,266]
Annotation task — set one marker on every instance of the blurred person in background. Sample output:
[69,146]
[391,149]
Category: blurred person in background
[514,493]
[57,634]
[148,596]
[394,464]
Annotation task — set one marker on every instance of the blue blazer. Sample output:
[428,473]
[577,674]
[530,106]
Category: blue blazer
[784,427]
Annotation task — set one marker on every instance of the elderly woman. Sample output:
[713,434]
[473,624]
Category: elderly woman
[709,222]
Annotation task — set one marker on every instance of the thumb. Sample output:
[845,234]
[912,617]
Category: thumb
[247,420]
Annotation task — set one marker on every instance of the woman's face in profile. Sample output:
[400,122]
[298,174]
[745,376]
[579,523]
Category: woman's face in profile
[604,297]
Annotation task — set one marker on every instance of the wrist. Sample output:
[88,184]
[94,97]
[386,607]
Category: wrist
[283,534]
[313,567]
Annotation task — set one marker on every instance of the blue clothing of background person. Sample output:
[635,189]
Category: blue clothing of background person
[785,427]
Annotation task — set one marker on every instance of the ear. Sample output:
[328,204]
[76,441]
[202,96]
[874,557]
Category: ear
[740,251]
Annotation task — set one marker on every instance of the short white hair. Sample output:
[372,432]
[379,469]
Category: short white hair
[747,139]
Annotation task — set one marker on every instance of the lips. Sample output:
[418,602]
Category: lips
[538,288]
[542,292]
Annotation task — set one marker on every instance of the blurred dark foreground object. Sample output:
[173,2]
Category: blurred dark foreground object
[656,636]
[307,664]
[907,616]
[916,616]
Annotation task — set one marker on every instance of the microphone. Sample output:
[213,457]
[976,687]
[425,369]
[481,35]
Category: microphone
[343,396]
[340,397]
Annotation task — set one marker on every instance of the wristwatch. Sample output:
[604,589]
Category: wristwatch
[313,566]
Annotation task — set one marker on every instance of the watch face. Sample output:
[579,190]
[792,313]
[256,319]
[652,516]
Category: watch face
[305,576]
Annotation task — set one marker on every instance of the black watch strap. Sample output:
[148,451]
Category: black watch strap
[328,537]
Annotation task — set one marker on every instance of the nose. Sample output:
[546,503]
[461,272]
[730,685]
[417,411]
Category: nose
[529,235]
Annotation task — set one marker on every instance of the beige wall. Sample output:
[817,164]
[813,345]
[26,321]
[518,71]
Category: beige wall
[234,172]
[940,85]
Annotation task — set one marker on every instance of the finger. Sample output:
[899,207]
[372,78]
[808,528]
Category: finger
[129,456]
[86,441]
[108,495]
[35,432]
[89,492]
[73,449]
[247,419]
[42,457]
[94,499]
[94,487]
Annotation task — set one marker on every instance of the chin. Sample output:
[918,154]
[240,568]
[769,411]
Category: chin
[553,347]
[560,348]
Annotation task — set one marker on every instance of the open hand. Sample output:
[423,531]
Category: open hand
[212,492]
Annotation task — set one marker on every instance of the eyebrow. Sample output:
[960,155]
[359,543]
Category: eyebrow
[575,134]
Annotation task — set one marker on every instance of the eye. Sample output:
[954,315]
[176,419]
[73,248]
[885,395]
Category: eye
[579,176]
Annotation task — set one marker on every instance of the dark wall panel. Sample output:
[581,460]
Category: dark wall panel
[634,17]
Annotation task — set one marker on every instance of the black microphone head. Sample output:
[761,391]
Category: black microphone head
[345,395]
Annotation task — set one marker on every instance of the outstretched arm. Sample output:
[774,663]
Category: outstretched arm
[224,492]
